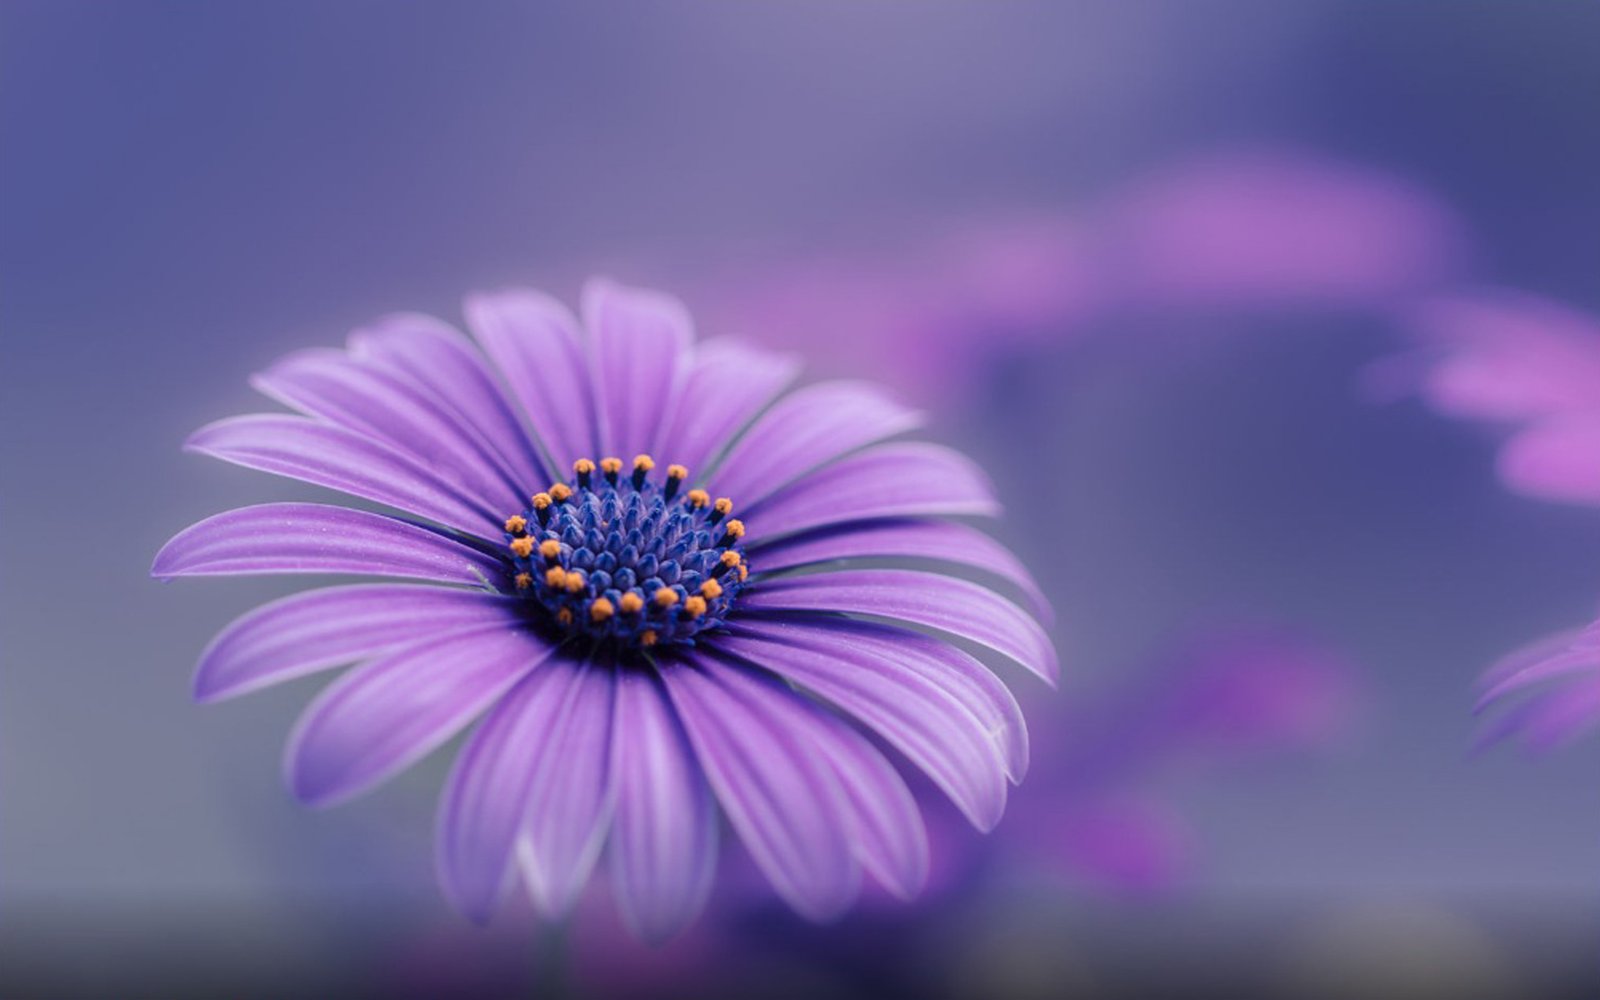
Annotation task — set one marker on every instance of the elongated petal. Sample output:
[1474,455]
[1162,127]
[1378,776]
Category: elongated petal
[940,602]
[664,832]
[887,832]
[343,460]
[569,800]
[727,386]
[778,796]
[484,808]
[537,344]
[1552,460]
[388,408]
[1558,664]
[1550,718]
[892,480]
[438,359]
[639,344]
[320,538]
[922,720]
[805,430]
[319,629]
[945,541]
[380,718]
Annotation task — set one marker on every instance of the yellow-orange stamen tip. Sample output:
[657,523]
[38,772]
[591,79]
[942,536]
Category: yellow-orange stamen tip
[722,506]
[731,558]
[601,609]
[677,472]
[611,465]
[556,577]
[744,571]
[541,501]
[699,498]
[559,492]
[575,581]
[711,589]
[666,597]
[516,524]
[524,581]
[632,603]
[643,462]
[648,637]
[521,547]
[694,607]
[564,616]
[735,528]
[550,548]
[583,466]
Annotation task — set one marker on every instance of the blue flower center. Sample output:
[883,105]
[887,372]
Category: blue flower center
[617,558]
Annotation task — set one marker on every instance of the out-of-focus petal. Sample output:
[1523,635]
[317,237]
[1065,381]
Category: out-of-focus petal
[783,802]
[921,719]
[324,455]
[569,800]
[664,831]
[727,386]
[537,344]
[805,430]
[441,362]
[639,346]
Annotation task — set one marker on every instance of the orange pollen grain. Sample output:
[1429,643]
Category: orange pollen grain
[550,548]
[643,462]
[666,597]
[632,603]
[694,607]
[723,506]
[541,501]
[601,609]
[711,589]
[575,581]
[735,528]
[556,577]
[731,559]
[522,547]
[524,581]
[559,492]
[564,616]
[611,466]
[648,637]
[699,498]
[583,466]
[516,524]
[677,472]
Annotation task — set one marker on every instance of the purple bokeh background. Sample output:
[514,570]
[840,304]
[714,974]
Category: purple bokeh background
[188,190]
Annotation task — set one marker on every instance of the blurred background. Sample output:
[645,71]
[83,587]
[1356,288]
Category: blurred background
[1138,258]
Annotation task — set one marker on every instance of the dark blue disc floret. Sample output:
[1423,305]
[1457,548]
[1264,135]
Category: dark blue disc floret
[621,560]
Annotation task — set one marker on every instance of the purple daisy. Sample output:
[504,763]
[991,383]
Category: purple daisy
[737,628]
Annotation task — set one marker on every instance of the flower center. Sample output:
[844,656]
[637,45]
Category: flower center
[618,558]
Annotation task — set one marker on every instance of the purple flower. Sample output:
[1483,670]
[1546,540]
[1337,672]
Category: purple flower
[642,648]
[1547,694]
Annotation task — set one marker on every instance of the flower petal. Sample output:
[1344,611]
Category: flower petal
[320,629]
[912,479]
[805,430]
[343,460]
[569,799]
[639,345]
[940,602]
[664,832]
[381,717]
[386,407]
[887,832]
[438,359]
[1550,718]
[778,796]
[861,671]
[946,541]
[484,808]
[320,538]
[727,387]
[537,344]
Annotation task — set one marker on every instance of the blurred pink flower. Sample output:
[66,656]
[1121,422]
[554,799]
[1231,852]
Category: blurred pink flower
[1520,363]
[1546,694]
[1253,228]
